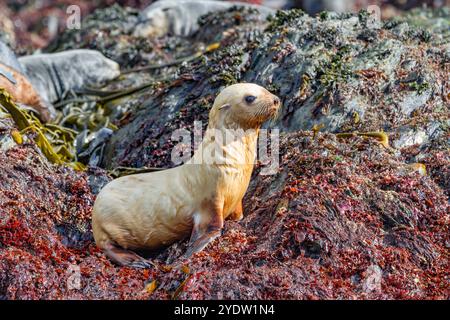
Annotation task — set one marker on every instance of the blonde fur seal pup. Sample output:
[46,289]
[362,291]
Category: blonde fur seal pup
[153,210]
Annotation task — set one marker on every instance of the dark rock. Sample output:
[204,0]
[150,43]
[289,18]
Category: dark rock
[342,82]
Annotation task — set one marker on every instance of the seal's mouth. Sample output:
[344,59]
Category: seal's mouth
[275,115]
[274,109]
[267,111]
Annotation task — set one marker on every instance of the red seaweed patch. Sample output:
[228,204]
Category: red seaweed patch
[46,246]
[340,220]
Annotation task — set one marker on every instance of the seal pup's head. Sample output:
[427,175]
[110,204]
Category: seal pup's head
[243,105]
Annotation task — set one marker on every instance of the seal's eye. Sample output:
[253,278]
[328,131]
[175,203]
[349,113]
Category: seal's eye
[250,99]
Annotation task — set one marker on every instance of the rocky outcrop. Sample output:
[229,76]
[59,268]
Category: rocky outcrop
[340,220]
[344,73]
[346,216]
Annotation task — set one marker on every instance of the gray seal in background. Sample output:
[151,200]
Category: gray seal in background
[7,57]
[22,91]
[54,74]
[316,6]
[180,17]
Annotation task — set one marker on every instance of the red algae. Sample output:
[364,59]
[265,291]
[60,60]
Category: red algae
[46,245]
[340,220]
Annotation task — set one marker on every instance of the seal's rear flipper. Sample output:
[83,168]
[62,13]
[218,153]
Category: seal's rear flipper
[125,257]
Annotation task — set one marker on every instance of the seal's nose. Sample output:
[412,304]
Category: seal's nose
[276,101]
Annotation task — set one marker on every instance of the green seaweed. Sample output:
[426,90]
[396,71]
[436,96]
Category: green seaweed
[283,17]
[419,87]
[55,142]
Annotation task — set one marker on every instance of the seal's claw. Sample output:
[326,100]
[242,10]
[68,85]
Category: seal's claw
[126,258]
[142,264]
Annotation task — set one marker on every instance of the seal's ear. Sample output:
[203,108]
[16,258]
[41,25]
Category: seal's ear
[225,106]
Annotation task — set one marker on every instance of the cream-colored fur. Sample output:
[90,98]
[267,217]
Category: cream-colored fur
[153,210]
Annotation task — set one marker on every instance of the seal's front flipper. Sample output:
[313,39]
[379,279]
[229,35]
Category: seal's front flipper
[207,227]
[201,243]
[124,257]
